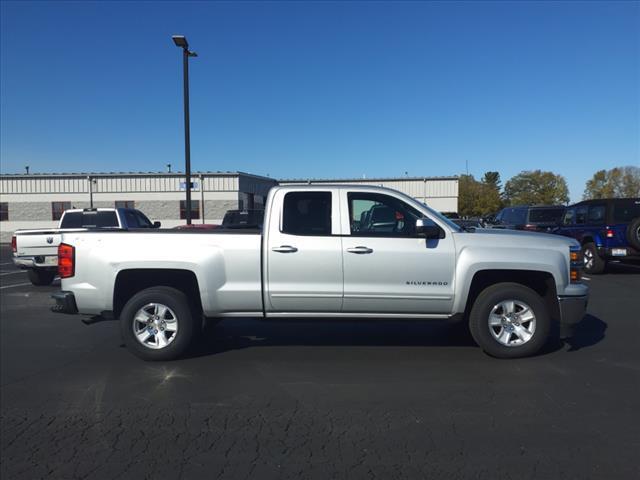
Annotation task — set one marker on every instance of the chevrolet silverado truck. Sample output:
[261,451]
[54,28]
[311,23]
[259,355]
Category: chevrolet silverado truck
[327,252]
[37,250]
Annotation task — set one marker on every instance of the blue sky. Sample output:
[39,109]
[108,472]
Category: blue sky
[328,89]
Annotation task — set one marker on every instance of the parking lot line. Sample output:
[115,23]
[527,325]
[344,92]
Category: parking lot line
[15,285]
[12,273]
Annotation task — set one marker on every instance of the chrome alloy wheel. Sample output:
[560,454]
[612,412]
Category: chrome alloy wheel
[512,323]
[155,325]
[588,258]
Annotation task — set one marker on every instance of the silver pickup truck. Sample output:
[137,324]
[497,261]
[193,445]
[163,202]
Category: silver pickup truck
[327,251]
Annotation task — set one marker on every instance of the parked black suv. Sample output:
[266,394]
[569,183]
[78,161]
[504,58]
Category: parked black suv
[536,219]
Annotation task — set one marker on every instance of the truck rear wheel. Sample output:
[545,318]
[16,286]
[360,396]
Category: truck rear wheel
[509,320]
[40,276]
[158,324]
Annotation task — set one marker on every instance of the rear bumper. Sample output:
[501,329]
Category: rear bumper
[38,261]
[65,302]
[572,310]
[608,253]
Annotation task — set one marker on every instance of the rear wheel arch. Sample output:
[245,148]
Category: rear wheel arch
[132,281]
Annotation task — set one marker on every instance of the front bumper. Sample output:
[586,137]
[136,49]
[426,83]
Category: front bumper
[572,310]
[65,302]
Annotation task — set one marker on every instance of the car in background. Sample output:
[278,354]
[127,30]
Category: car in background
[253,218]
[532,218]
[608,230]
[37,250]
[467,223]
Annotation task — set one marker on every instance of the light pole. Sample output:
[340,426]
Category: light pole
[181,41]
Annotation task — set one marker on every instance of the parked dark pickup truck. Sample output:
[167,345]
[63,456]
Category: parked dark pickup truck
[607,229]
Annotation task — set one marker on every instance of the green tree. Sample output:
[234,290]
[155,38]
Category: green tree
[490,196]
[476,199]
[468,194]
[536,188]
[618,182]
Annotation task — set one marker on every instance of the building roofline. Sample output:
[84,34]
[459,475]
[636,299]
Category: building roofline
[358,180]
[129,174]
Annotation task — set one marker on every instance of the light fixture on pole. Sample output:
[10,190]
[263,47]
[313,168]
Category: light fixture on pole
[181,41]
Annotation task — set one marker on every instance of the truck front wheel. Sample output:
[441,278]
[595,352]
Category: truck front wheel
[509,320]
[40,276]
[158,324]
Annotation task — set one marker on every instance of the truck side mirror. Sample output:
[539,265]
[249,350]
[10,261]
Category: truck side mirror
[426,228]
[156,224]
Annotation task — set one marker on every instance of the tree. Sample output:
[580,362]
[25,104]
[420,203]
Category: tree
[476,199]
[536,188]
[618,182]
[490,196]
[468,193]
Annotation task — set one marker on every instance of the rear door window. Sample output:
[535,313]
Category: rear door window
[515,216]
[545,215]
[307,213]
[581,215]
[595,215]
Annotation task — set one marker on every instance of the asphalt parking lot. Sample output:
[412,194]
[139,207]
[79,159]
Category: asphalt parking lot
[322,400]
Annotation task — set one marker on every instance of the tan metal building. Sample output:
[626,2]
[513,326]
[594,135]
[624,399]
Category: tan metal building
[38,200]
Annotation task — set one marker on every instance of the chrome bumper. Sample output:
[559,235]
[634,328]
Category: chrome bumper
[572,310]
[37,261]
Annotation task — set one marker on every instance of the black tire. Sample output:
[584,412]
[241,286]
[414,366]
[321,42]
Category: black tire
[482,331]
[633,233]
[179,304]
[593,262]
[41,277]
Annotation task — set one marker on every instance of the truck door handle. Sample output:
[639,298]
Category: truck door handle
[285,249]
[360,250]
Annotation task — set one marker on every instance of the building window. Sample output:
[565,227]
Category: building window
[58,208]
[125,204]
[4,211]
[195,209]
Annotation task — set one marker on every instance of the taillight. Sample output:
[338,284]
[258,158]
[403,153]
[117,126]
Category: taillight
[610,233]
[533,228]
[66,260]
[575,264]
[14,244]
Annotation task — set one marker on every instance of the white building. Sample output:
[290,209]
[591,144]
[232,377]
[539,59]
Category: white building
[38,200]
[439,193]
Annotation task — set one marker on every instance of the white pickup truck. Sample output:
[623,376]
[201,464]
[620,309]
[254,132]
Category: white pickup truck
[37,250]
[327,251]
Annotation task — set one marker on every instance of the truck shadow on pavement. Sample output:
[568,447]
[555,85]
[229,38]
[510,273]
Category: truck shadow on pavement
[590,331]
[235,334]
